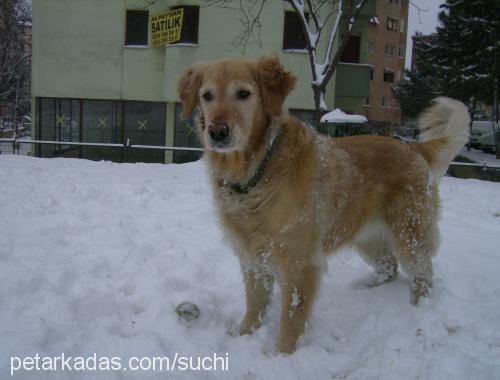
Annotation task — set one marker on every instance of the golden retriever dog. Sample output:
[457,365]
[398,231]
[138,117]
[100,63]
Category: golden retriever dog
[288,196]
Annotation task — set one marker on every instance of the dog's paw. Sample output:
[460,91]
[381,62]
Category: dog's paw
[420,289]
[249,325]
[246,327]
[232,328]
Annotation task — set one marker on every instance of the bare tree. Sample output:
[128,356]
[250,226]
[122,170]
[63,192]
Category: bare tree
[325,22]
[15,50]
[316,27]
[323,66]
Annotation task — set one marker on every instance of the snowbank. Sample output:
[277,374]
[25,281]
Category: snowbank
[338,116]
[95,256]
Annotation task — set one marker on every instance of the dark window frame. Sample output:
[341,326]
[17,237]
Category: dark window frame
[392,24]
[352,50]
[389,76]
[185,135]
[140,35]
[190,31]
[293,38]
[119,136]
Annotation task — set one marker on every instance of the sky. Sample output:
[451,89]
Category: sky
[426,22]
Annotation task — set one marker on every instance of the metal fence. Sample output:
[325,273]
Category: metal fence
[482,171]
[23,146]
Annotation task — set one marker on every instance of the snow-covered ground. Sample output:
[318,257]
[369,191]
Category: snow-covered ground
[95,256]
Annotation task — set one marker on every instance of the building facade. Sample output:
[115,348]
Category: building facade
[97,78]
[386,48]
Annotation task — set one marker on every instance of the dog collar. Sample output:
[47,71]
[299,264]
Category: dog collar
[252,182]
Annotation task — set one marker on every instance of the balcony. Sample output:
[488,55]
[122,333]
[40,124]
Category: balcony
[352,80]
[369,10]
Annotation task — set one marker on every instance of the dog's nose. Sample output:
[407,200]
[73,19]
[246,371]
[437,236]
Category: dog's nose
[218,131]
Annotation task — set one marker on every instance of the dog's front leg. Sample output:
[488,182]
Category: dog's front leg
[298,289]
[258,288]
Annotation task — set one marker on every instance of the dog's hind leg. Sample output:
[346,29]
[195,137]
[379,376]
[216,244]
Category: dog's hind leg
[416,240]
[377,252]
[258,289]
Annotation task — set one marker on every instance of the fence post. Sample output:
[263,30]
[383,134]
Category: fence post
[127,148]
[14,141]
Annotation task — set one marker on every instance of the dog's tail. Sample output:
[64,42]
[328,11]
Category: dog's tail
[444,130]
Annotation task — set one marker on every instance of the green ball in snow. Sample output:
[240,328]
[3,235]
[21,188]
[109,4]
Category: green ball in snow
[188,312]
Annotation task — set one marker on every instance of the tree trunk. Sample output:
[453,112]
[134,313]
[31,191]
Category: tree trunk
[318,112]
[473,109]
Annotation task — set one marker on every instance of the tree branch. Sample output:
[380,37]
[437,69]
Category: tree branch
[350,16]
[419,9]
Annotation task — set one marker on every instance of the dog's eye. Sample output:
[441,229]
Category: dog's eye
[207,96]
[243,94]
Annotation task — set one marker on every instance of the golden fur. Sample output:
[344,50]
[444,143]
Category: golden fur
[316,194]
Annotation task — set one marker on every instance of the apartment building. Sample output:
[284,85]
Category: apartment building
[99,77]
[386,48]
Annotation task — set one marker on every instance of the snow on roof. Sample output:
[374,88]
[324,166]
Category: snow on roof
[338,116]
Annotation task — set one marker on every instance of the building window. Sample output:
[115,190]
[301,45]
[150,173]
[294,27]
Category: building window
[294,37]
[367,101]
[59,120]
[144,124]
[401,51]
[372,71]
[185,135]
[350,54]
[101,121]
[388,75]
[371,46]
[390,50]
[389,102]
[392,24]
[190,24]
[402,25]
[136,31]
[305,116]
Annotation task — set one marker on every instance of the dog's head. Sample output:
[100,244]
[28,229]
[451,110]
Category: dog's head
[236,98]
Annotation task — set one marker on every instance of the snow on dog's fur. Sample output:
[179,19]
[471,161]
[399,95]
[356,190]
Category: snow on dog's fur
[287,196]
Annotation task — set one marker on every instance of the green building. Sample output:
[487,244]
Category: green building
[97,78]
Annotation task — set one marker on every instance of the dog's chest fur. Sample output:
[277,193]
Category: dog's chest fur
[281,202]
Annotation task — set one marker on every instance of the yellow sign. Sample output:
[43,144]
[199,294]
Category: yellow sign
[166,27]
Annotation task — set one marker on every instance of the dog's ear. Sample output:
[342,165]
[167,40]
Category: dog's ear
[275,83]
[188,86]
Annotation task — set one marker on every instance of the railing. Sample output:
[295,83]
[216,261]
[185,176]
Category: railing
[484,171]
[15,146]
[458,169]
